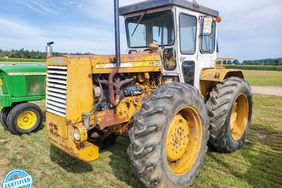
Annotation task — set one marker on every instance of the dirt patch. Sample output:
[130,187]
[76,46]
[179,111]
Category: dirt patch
[267,90]
[271,136]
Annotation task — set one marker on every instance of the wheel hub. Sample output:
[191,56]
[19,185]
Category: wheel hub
[26,120]
[183,141]
[178,138]
[239,117]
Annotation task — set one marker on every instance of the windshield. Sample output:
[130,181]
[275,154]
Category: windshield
[150,28]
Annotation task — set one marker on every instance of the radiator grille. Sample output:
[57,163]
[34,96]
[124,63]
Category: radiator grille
[56,90]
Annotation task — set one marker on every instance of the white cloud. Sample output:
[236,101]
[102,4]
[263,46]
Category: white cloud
[103,10]
[39,6]
[12,27]
[250,29]
[70,38]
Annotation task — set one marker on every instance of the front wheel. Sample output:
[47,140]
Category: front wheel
[168,140]
[24,118]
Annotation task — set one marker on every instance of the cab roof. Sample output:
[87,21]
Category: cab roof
[152,4]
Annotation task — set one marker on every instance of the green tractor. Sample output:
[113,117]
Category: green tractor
[19,85]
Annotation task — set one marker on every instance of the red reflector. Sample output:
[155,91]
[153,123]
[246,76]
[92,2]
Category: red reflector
[218,19]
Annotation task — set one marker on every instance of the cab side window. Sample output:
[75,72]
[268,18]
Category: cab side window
[208,41]
[188,34]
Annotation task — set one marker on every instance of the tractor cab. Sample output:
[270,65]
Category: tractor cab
[185,33]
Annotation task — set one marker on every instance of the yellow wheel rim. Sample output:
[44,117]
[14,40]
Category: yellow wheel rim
[26,120]
[183,141]
[239,117]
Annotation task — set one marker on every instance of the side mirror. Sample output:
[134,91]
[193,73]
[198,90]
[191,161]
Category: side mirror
[169,58]
[207,26]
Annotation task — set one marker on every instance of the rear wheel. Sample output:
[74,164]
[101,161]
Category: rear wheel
[24,118]
[168,140]
[3,116]
[230,109]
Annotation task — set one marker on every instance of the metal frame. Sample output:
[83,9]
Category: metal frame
[196,36]
[137,47]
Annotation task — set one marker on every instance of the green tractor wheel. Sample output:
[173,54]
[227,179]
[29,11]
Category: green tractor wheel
[24,118]
[3,116]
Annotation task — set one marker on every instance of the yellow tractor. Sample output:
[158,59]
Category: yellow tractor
[166,94]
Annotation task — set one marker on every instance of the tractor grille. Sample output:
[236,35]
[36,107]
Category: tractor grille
[56,92]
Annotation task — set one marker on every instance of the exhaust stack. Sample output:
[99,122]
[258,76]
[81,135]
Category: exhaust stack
[49,49]
[114,100]
[117,32]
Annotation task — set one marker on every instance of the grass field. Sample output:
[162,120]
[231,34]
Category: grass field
[19,60]
[258,164]
[264,78]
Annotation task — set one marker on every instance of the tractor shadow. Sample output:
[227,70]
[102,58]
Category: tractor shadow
[69,163]
[120,163]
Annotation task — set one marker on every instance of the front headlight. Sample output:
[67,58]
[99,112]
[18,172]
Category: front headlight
[80,134]
[77,135]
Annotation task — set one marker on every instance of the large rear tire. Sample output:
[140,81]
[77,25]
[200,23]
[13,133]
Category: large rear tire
[168,140]
[230,110]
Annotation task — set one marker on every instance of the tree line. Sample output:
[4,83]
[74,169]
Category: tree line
[273,62]
[30,54]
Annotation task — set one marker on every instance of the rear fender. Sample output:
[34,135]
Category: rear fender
[210,77]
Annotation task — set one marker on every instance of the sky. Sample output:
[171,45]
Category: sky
[249,30]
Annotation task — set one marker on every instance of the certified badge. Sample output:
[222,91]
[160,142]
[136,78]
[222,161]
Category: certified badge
[17,178]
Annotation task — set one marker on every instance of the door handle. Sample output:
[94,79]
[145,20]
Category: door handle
[182,58]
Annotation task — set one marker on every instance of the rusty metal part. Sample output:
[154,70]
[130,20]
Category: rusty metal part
[117,84]
[123,113]
[121,130]
[109,118]
[113,99]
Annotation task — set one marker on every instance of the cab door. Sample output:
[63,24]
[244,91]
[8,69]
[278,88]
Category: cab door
[208,41]
[196,45]
[188,46]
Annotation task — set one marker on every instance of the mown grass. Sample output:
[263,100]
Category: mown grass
[20,60]
[264,78]
[257,164]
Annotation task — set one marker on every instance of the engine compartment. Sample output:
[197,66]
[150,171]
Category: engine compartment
[125,85]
